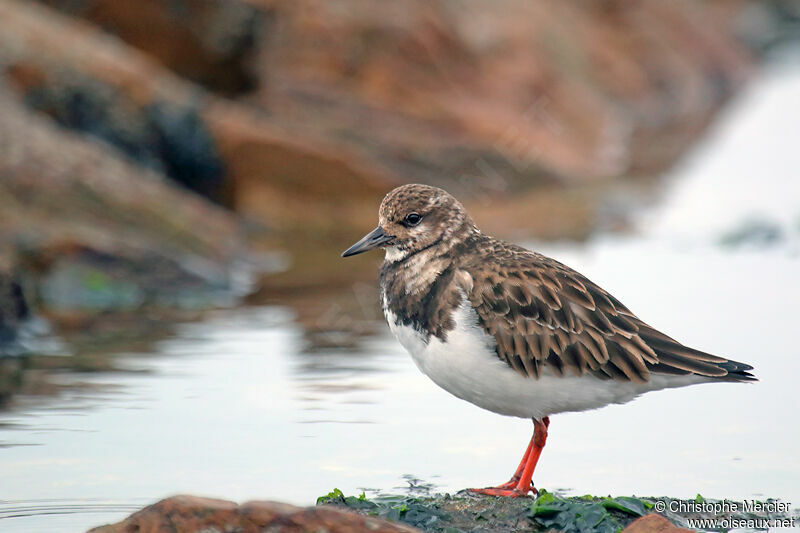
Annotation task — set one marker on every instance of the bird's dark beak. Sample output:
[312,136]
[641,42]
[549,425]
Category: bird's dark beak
[374,239]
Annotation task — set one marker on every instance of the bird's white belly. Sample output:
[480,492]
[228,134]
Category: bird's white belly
[467,366]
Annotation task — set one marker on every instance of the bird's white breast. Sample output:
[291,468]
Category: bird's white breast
[467,366]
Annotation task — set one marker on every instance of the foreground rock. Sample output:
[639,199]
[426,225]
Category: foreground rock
[654,523]
[191,514]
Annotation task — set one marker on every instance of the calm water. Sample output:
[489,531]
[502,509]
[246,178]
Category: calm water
[235,408]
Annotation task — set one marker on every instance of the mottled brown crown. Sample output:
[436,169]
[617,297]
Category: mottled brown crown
[422,199]
[443,220]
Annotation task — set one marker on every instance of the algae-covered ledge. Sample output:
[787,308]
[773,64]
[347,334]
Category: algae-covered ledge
[465,512]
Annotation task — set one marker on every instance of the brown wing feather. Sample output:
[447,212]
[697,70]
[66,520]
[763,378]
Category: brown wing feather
[544,314]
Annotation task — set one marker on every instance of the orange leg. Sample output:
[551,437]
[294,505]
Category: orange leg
[520,483]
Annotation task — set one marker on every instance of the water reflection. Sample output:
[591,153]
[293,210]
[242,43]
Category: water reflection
[28,508]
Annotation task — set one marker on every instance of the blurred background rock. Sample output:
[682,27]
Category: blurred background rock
[160,158]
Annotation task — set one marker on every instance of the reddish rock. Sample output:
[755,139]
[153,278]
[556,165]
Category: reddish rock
[470,95]
[654,523]
[211,42]
[513,92]
[192,514]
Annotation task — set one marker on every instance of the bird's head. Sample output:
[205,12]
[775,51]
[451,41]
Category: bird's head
[412,218]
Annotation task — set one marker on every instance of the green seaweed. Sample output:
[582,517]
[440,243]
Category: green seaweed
[627,504]
[587,513]
[411,510]
[337,497]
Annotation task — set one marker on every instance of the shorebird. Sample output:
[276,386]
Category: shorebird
[514,331]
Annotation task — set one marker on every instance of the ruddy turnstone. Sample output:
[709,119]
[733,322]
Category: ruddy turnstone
[511,330]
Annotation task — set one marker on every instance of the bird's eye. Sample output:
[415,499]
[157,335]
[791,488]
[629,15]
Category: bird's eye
[412,219]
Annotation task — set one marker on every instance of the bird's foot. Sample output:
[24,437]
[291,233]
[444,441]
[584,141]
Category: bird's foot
[506,490]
